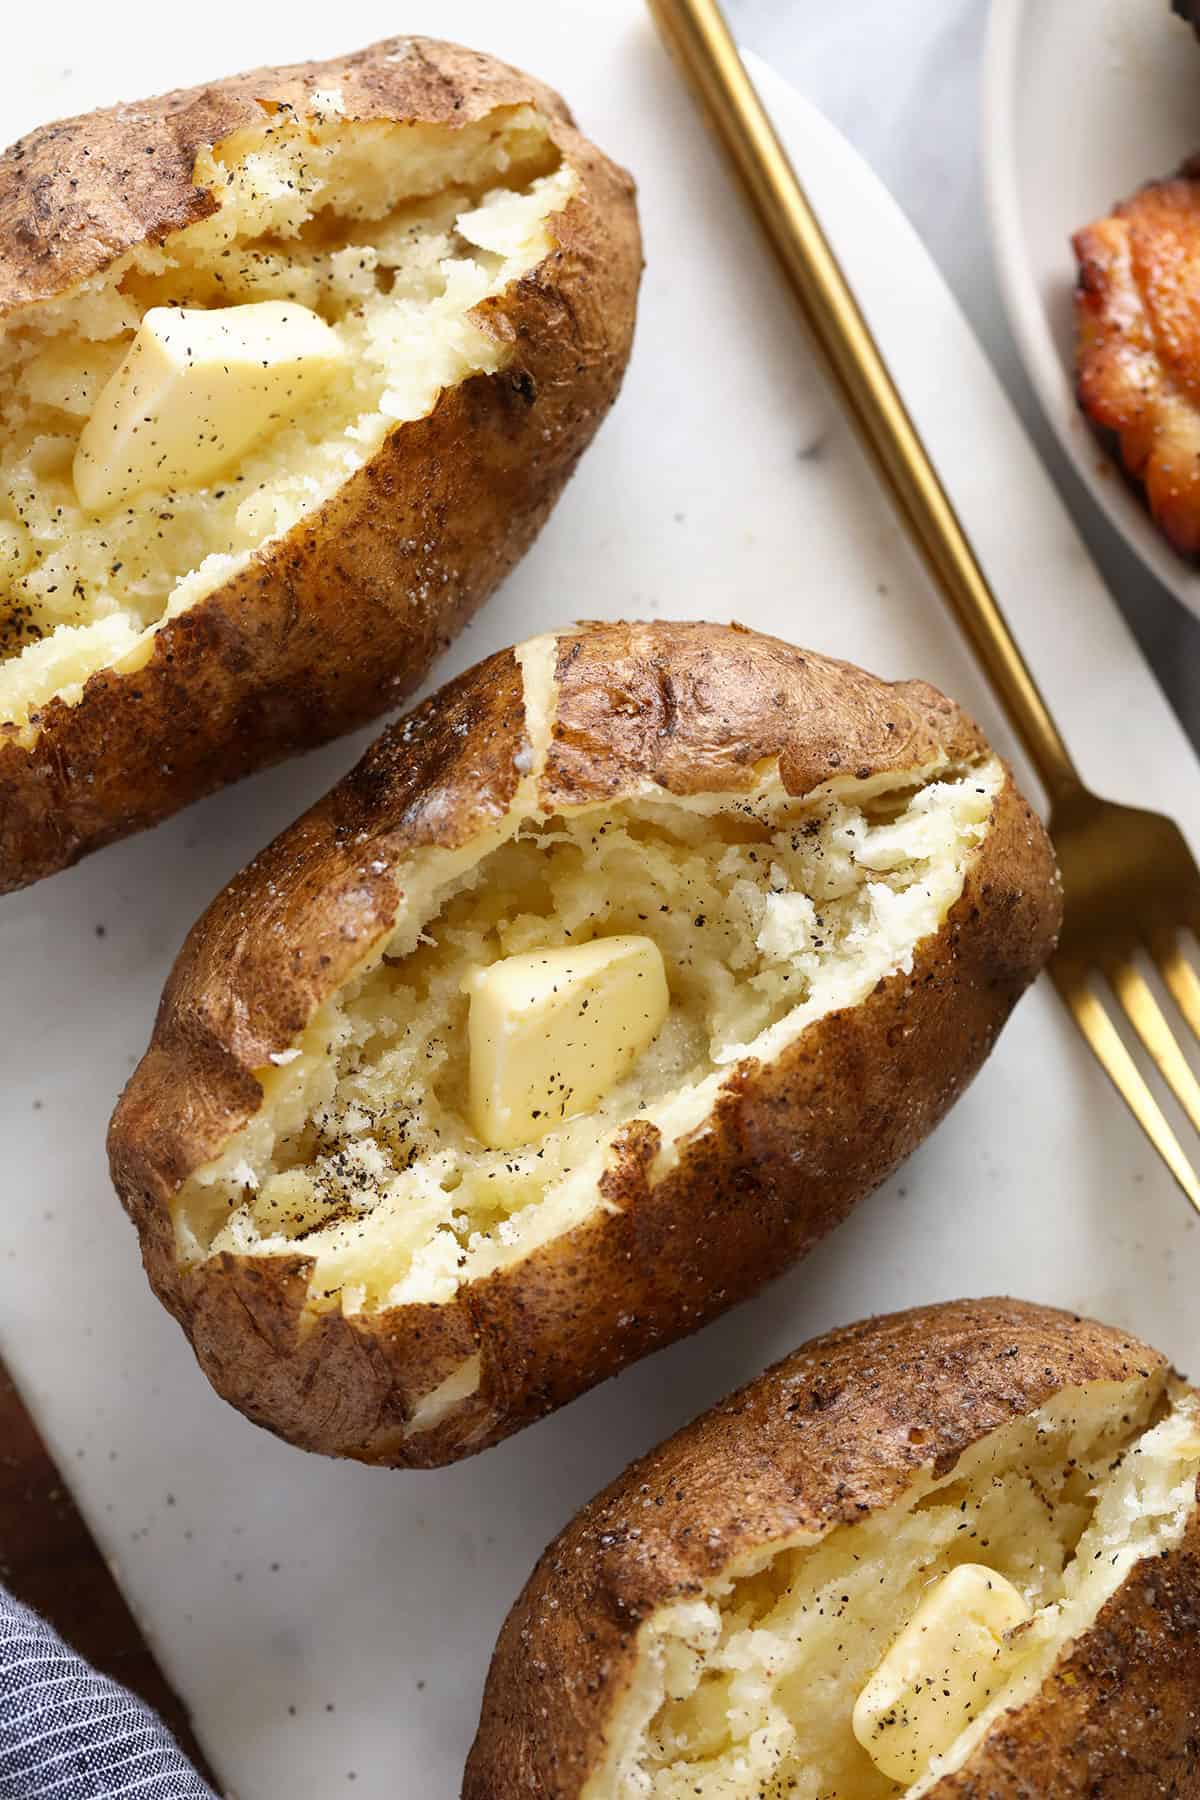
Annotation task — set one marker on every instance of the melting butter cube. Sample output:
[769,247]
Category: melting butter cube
[196,388]
[944,1667]
[552,1031]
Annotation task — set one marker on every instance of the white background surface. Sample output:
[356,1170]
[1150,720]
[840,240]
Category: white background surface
[330,1625]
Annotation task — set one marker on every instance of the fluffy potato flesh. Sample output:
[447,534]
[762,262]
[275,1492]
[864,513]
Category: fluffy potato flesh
[390,233]
[768,912]
[747,1692]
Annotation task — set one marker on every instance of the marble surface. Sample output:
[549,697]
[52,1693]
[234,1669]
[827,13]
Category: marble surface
[902,83]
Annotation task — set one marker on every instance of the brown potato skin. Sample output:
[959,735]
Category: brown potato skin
[338,620]
[837,1431]
[789,1148]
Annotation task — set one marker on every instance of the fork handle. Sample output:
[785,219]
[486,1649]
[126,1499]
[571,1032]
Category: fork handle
[696,33]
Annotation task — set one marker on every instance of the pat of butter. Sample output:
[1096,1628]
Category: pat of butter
[941,1671]
[552,1031]
[196,388]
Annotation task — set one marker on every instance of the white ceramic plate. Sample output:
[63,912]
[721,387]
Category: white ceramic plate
[1084,101]
[324,1620]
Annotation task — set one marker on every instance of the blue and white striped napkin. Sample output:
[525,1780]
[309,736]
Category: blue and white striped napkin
[67,1733]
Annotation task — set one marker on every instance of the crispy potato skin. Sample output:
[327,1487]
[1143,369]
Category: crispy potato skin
[789,1148]
[837,1431]
[339,619]
[1138,345]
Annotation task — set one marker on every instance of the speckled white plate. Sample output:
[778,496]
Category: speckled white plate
[330,1625]
[1084,101]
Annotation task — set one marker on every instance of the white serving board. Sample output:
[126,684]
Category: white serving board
[323,1620]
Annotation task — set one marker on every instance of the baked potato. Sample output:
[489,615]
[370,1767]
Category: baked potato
[953,1553]
[292,369]
[602,988]
[1137,349]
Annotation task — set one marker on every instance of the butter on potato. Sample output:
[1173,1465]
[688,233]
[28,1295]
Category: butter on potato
[940,1671]
[552,1031]
[195,389]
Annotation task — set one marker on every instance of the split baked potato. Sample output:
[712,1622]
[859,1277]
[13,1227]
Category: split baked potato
[953,1553]
[292,369]
[602,988]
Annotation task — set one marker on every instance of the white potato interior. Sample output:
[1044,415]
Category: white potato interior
[747,1692]
[769,913]
[392,233]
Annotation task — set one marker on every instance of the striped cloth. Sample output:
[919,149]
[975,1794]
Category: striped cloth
[67,1733]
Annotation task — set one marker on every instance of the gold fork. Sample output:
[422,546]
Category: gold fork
[1131,885]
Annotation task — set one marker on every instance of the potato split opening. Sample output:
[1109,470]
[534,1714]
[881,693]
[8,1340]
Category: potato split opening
[390,233]
[769,914]
[749,1689]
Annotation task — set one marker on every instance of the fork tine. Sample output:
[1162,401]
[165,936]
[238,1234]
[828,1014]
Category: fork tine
[1114,1058]
[1146,1016]
[1182,981]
